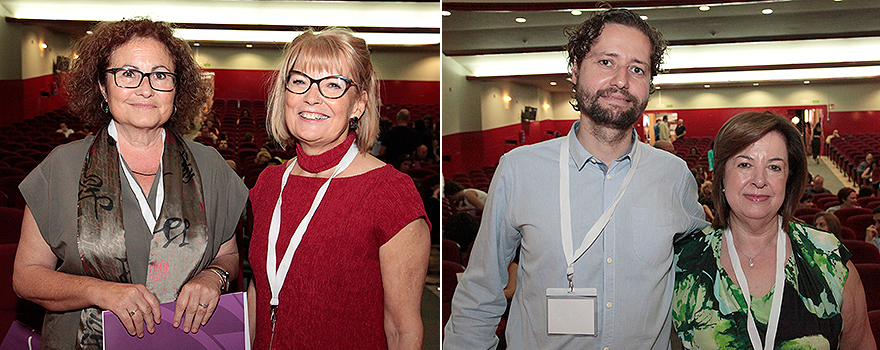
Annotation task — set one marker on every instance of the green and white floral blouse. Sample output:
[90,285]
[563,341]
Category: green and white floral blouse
[709,311]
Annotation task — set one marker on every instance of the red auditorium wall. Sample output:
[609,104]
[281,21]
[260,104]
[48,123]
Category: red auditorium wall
[10,102]
[23,99]
[472,150]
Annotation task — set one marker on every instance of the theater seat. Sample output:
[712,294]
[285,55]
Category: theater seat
[870,275]
[450,281]
[874,317]
[862,252]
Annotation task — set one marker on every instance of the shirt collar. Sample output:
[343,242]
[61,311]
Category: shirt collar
[582,157]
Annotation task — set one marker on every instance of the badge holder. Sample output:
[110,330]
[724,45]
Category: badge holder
[571,311]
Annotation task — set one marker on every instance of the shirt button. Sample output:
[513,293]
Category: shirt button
[608,176]
[608,305]
[608,260]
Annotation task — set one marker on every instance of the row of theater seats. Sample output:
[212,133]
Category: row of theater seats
[697,156]
[848,151]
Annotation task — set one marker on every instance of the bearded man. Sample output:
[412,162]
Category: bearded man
[586,279]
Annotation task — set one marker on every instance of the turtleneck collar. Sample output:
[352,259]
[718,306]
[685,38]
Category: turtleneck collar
[329,159]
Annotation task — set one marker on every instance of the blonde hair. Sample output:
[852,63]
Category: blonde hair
[331,49]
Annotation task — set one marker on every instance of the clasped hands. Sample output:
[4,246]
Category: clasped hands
[136,306]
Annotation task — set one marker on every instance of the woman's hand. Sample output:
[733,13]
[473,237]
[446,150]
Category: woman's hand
[133,304]
[197,301]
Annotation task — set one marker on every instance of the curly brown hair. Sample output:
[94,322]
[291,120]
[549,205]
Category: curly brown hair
[582,37]
[93,59]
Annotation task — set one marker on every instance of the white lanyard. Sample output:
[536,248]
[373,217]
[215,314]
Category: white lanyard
[565,208]
[775,304]
[149,217]
[276,277]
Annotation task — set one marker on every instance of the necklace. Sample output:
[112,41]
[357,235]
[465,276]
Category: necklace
[751,263]
[143,174]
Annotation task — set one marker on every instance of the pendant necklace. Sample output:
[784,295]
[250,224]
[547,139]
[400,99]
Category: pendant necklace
[751,263]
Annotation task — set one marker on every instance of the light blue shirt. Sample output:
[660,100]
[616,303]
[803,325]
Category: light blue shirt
[629,264]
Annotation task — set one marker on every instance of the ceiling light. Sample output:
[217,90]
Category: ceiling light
[755,84]
[546,106]
[707,86]
[643,17]
[89,32]
[806,82]
[704,8]
[795,120]
[196,44]
[281,36]
[507,98]
[576,12]
[552,83]
[43,45]
[249,45]
[767,11]
[657,87]
[446,13]
[520,20]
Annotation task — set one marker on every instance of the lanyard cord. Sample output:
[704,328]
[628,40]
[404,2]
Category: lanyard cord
[775,304]
[277,276]
[150,218]
[565,208]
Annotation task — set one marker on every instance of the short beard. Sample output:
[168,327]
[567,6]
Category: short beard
[621,120]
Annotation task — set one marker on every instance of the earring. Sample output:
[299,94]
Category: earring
[353,123]
[105,106]
[174,111]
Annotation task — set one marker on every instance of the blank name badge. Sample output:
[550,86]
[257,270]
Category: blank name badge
[571,312]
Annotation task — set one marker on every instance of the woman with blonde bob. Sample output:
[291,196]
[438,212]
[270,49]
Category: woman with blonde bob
[735,279]
[340,242]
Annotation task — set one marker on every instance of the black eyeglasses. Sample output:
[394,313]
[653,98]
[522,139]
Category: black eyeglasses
[131,78]
[333,86]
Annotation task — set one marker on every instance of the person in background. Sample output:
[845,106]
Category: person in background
[871,233]
[664,130]
[829,223]
[848,199]
[710,156]
[830,137]
[95,224]
[806,201]
[816,142]
[64,130]
[754,261]
[349,231]
[865,164]
[818,186]
[680,130]
[613,57]
[464,198]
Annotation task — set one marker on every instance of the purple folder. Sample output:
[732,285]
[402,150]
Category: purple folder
[227,329]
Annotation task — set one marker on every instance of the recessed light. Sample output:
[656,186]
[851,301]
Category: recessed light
[43,45]
[446,13]
[755,84]
[552,83]
[643,17]
[507,98]
[89,32]
[576,12]
[806,82]
[657,87]
[520,20]
[707,86]
[704,8]
[767,11]
[546,106]
[249,45]
[196,44]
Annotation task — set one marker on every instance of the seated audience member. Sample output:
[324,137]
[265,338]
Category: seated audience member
[705,199]
[209,123]
[461,228]
[829,223]
[866,191]
[865,164]
[828,139]
[223,144]
[404,163]
[693,150]
[205,133]
[871,233]
[233,165]
[806,201]
[421,155]
[664,145]
[847,197]
[248,137]
[817,186]
[86,130]
[63,129]
[464,198]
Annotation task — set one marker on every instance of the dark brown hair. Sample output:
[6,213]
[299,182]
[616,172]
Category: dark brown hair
[740,132]
[582,37]
[93,59]
[843,193]
[832,221]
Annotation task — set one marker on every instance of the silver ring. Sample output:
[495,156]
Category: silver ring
[131,313]
[203,305]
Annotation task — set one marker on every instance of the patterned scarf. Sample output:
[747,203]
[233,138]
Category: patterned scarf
[179,238]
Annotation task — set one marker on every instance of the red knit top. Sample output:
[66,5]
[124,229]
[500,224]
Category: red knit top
[332,297]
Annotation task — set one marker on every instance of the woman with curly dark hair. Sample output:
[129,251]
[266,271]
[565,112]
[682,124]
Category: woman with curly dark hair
[135,215]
